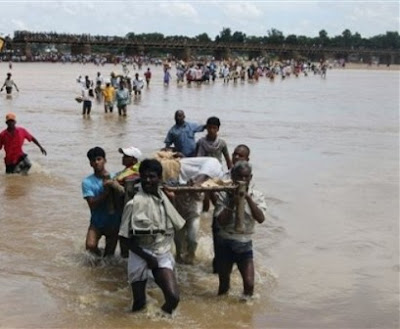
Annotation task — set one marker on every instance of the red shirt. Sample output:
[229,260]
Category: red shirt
[13,142]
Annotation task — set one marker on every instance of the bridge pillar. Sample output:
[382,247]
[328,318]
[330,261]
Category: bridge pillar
[392,59]
[134,50]
[222,53]
[81,49]
[256,53]
[27,51]
[185,54]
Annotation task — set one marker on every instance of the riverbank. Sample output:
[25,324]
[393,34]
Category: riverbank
[364,66]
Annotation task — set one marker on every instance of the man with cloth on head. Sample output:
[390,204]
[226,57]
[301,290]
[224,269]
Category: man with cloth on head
[12,139]
[148,224]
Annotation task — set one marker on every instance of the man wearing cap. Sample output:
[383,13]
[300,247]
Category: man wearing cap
[182,135]
[9,84]
[124,181]
[125,184]
[131,160]
[12,139]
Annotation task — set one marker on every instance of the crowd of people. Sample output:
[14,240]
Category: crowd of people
[119,88]
[136,207]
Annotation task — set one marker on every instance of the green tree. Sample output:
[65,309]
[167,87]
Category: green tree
[275,36]
[224,36]
[323,38]
[291,39]
[203,38]
[238,37]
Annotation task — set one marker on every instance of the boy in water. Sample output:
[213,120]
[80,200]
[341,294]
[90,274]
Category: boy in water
[213,146]
[103,220]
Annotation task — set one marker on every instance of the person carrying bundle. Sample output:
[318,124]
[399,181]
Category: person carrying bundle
[233,246]
[193,172]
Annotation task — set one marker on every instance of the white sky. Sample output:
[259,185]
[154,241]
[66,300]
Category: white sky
[191,18]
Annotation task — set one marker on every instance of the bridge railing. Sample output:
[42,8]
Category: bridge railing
[57,38]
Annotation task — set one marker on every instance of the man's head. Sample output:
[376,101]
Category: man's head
[241,153]
[97,158]
[130,156]
[8,75]
[11,120]
[241,171]
[150,175]
[136,75]
[213,125]
[121,84]
[179,117]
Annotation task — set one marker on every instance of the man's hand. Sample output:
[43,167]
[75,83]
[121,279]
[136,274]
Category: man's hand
[43,151]
[178,155]
[169,194]
[152,262]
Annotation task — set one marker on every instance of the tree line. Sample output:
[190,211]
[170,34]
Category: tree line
[390,40]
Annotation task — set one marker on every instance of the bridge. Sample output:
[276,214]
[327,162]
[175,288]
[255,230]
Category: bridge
[82,44]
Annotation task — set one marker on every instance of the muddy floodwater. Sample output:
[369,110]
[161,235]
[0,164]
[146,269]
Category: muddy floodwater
[325,153]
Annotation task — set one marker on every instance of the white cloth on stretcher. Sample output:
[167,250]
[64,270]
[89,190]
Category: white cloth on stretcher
[191,167]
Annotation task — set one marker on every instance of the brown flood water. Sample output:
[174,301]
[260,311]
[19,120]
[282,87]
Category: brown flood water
[325,153]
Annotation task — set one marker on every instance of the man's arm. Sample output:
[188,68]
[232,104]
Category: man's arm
[168,139]
[151,261]
[95,201]
[15,86]
[227,157]
[88,195]
[197,127]
[40,146]
[256,212]
[228,208]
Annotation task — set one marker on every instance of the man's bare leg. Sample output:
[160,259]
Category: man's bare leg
[165,279]
[92,240]
[246,269]
[139,295]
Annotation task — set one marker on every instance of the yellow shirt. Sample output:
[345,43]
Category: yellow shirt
[108,93]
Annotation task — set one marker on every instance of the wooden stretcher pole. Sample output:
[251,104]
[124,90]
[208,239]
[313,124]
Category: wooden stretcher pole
[240,199]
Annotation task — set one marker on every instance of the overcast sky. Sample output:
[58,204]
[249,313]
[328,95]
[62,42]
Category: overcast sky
[191,18]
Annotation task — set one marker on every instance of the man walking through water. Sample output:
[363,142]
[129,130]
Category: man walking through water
[12,139]
[148,224]
[104,220]
[232,246]
[182,135]
[9,84]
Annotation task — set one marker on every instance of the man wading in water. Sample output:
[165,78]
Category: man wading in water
[103,220]
[148,224]
[12,139]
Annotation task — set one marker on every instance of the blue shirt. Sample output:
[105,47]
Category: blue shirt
[183,137]
[92,186]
